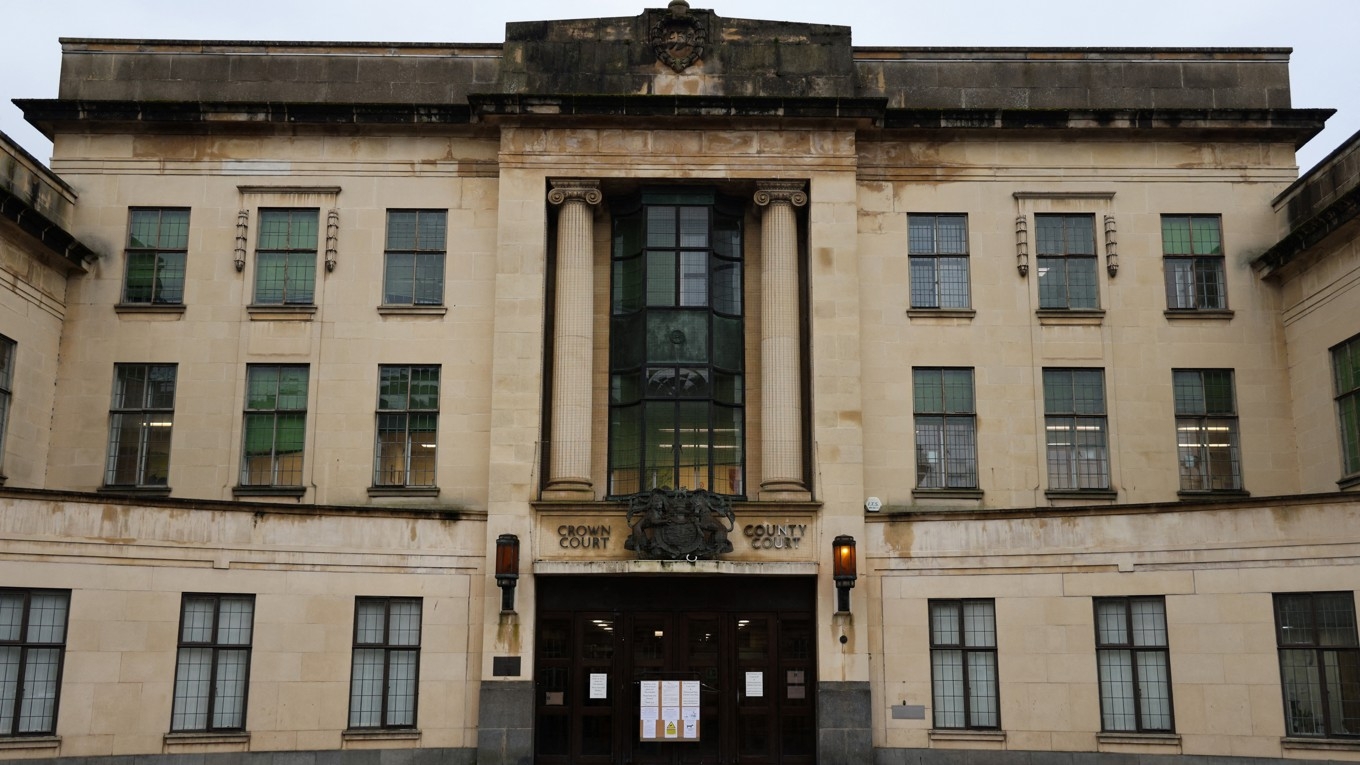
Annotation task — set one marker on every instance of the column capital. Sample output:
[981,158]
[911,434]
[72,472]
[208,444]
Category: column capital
[780,191]
[571,189]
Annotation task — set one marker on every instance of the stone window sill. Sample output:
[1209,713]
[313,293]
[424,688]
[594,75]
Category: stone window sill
[207,737]
[161,308]
[268,491]
[412,310]
[1067,317]
[947,493]
[403,491]
[381,734]
[949,734]
[1198,314]
[1191,496]
[941,313]
[30,742]
[1140,739]
[136,491]
[1333,744]
[281,312]
[1104,495]
[1349,482]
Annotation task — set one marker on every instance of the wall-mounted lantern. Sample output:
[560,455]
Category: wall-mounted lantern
[843,570]
[507,569]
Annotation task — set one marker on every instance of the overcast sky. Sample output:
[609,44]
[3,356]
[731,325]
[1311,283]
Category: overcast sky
[1325,70]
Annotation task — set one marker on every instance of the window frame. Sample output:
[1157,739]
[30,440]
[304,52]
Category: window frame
[965,651]
[146,410]
[9,350]
[1134,651]
[405,415]
[215,647]
[387,649]
[1318,649]
[1202,423]
[1213,264]
[26,647]
[917,260]
[157,250]
[1076,420]
[276,412]
[946,417]
[1071,258]
[1345,357]
[299,290]
[418,253]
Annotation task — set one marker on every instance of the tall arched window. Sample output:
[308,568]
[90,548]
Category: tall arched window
[676,361]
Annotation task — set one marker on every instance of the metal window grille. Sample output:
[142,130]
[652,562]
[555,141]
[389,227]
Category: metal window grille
[32,648]
[212,668]
[1075,429]
[1346,375]
[1066,248]
[285,257]
[1132,664]
[937,249]
[1207,445]
[274,429]
[157,248]
[386,667]
[963,673]
[407,426]
[1319,663]
[140,423]
[1192,256]
[413,260]
[946,428]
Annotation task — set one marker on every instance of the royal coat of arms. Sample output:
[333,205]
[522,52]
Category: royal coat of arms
[678,38]
[679,524]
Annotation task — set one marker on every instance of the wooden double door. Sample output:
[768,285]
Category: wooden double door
[748,641]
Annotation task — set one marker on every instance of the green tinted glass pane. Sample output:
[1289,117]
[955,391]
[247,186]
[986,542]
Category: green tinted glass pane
[262,387]
[1206,236]
[927,391]
[174,234]
[1189,392]
[401,230]
[958,390]
[921,234]
[727,237]
[1175,235]
[429,279]
[659,447]
[1346,364]
[393,387]
[1081,235]
[141,272]
[144,228]
[693,442]
[129,389]
[693,226]
[1218,392]
[624,389]
[432,228]
[293,388]
[424,388]
[728,350]
[273,229]
[952,235]
[661,226]
[259,436]
[1048,232]
[727,445]
[726,287]
[398,278]
[727,388]
[301,277]
[627,336]
[625,427]
[627,236]
[289,433]
[661,278]
[1088,391]
[1057,391]
[678,336]
[627,285]
[160,392]
[303,235]
[270,278]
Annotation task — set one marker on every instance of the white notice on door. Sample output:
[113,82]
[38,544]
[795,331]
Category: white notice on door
[670,693]
[650,695]
[755,684]
[689,693]
[599,685]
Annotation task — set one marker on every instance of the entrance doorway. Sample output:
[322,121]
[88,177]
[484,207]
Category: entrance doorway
[749,641]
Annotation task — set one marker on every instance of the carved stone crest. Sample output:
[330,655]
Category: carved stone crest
[677,37]
[679,524]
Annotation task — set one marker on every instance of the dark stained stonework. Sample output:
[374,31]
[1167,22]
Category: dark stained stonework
[505,723]
[1317,205]
[844,712]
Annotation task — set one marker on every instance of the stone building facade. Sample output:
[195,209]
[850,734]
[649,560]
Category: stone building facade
[679,388]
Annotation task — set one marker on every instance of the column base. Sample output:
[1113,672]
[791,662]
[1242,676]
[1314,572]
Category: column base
[570,489]
[784,491]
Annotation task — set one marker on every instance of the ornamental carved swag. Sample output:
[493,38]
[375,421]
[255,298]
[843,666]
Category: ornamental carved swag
[679,524]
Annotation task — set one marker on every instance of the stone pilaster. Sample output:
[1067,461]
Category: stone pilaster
[569,450]
[780,371]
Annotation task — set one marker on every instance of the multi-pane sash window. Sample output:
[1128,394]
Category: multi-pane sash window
[1319,663]
[946,428]
[213,666]
[408,425]
[1206,430]
[1067,261]
[1131,658]
[140,422]
[937,246]
[275,425]
[1075,429]
[32,645]
[1192,255]
[7,352]
[413,261]
[1346,370]
[963,663]
[158,241]
[382,690]
[677,346]
[285,257]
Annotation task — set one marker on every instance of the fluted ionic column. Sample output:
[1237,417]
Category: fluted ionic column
[780,371]
[573,341]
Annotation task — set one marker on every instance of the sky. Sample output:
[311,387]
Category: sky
[1324,70]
